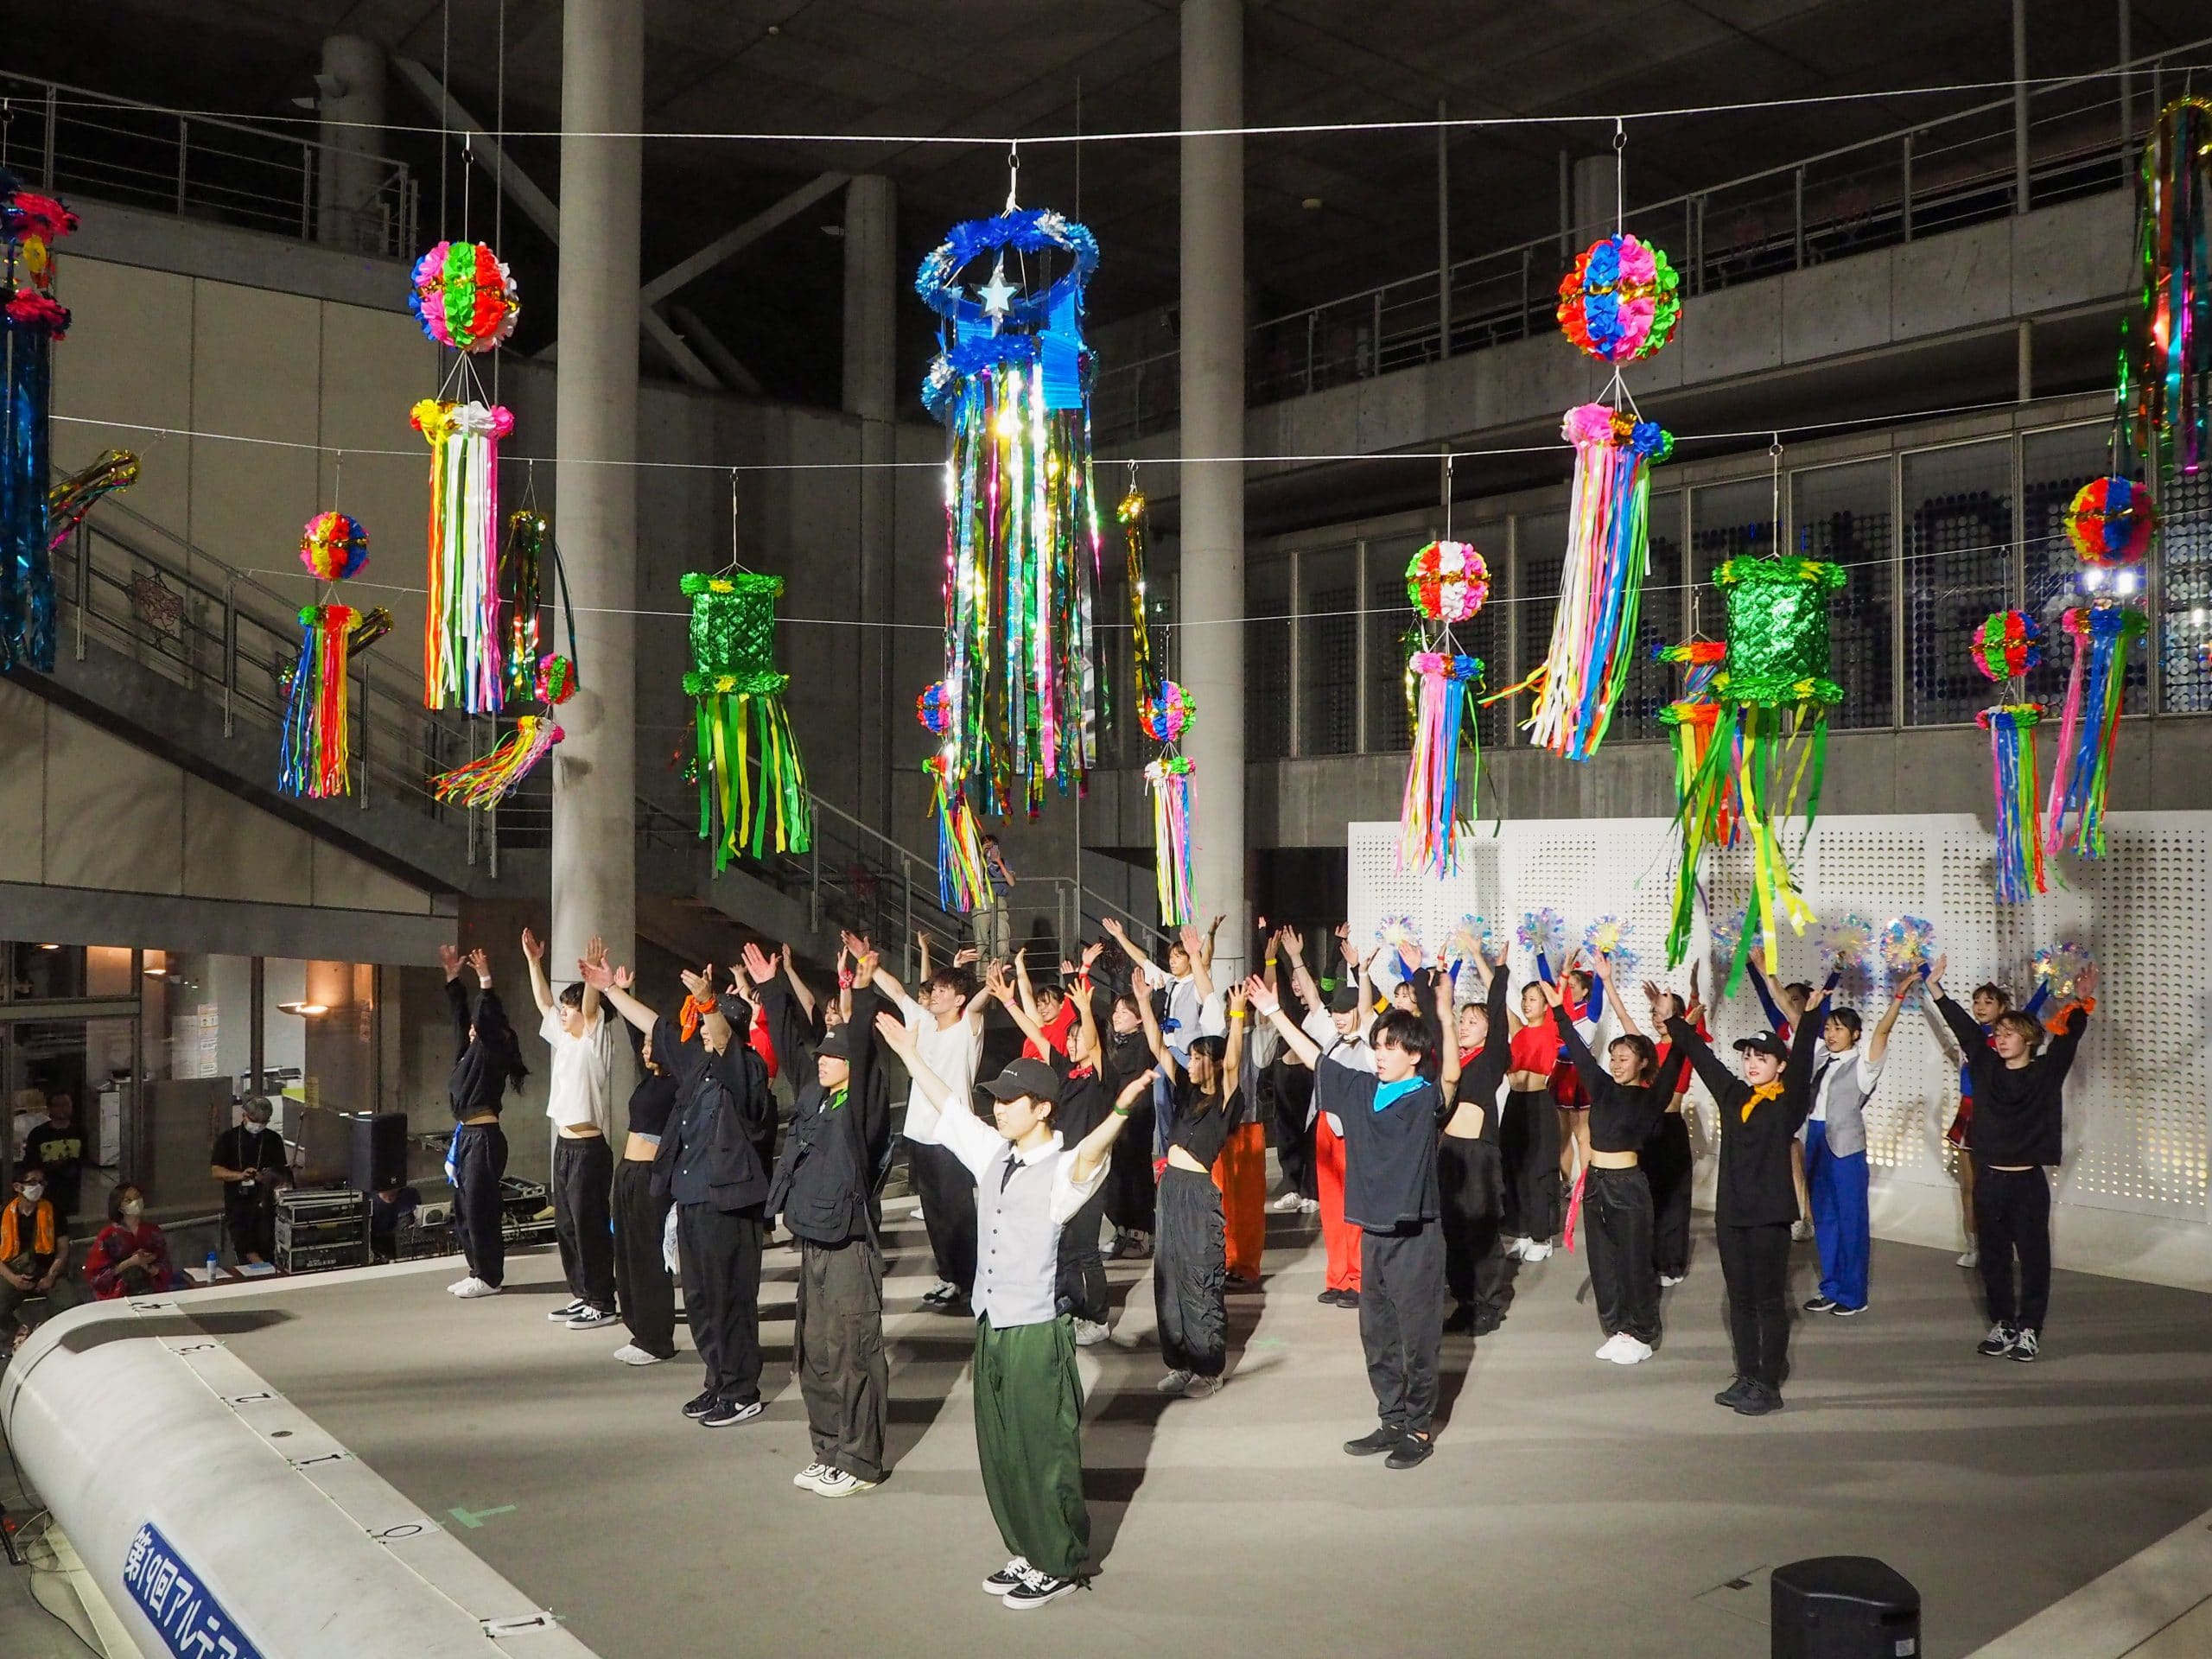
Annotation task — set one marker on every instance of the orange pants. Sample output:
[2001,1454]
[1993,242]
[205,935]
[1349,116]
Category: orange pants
[1240,1172]
[1339,1236]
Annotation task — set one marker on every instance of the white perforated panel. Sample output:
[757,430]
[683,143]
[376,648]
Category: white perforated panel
[2136,1120]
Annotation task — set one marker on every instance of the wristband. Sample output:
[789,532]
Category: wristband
[1122,1111]
[1236,1013]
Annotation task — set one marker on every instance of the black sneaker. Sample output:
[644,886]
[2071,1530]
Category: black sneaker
[1329,1297]
[1461,1317]
[1007,1577]
[1843,1313]
[1036,1589]
[1487,1322]
[590,1318]
[567,1310]
[1382,1439]
[1999,1343]
[2026,1345]
[699,1406]
[1758,1401]
[1347,1299]
[1734,1394]
[1412,1452]
[1822,1305]
[727,1412]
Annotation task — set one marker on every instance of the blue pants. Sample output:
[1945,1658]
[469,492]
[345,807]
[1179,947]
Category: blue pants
[1837,1187]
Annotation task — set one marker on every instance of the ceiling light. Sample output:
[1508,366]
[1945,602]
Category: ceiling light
[156,973]
[50,947]
[837,231]
[1312,204]
[305,1009]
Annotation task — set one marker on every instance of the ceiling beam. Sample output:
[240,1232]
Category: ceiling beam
[709,344]
[738,237]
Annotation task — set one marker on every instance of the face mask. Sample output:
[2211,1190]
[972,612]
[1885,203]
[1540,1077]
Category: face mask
[34,1192]
[132,1212]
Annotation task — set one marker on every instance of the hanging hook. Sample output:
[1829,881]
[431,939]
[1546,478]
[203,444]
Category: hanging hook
[1013,172]
[338,482]
[1448,459]
[1620,176]
[1774,460]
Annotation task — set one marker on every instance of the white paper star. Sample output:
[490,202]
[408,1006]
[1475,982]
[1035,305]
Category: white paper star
[997,295]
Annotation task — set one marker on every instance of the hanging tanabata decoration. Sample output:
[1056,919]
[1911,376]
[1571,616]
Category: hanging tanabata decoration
[740,700]
[72,497]
[1165,711]
[1448,582]
[1619,302]
[2110,522]
[2088,726]
[314,761]
[1011,385]
[1601,584]
[464,297]
[961,877]
[334,546]
[1703,819]
[2005,647]
[461,627]
[1775,695]
[31,319]
[521,576]
[487,781]
[2164,402]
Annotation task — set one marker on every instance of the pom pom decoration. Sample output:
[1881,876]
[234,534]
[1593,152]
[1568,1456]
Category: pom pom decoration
[738,698]
[486,782]
[1619,301]
[933,708]
[1606,937]
[334,546]
[1907,943]
[2061,967]
[314,760]
[1844,941]
[1601,585]
[1469,934]
[461,625]
[2007,645]
[2012,728]
[1167,781]
[31,321]
[1541,932]
[1447,582]
[463,297]
[1166,713]
[2110,521]
[1728,931]
[2081,770]
[556,681]
[1394,930]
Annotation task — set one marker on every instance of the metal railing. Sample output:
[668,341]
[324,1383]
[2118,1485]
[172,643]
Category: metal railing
[1938,175]
[72,140]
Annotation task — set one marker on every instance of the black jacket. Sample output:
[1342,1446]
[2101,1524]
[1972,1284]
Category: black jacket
[2019,1112]
[1755,1187]
[722,1101]
[482,1064]
[834,1157]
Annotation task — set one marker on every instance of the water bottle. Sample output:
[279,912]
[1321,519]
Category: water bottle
[211,1266]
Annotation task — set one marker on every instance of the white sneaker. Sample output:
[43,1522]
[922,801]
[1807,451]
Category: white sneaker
[1537,1250]
[838,1484]
[455,1288]
[1612,1344]
[1517,1249]
[1202,1387]
[472,1288]
[1801,1230]
[630,1354]
[1309,1206]
[1088,1334]
[1289,1203]
[1670,1279]
[1972,1258]
[809,1478]
[1174,1383]
[1630,1350]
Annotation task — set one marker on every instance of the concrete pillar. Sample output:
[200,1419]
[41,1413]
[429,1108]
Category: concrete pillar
[351,102]
[871,291]
[1597,198]
[596,506]
[1210,659]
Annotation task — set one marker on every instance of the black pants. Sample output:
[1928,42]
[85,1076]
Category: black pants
[838,1353]
[1617,1204]
[1190,1273]
[1527,1138]
[1470,1174]
[480,1158]
[1667,1170]
[1401,1322]
[1755,1267]
[722,1296]
[647,1299]
[250,1219]
[1131,1197]
[1081,1290]
[2012,1215]
[1293,1135]
[948,1195]
[583,1182]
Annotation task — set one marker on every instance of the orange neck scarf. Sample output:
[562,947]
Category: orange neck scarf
[1766,1091]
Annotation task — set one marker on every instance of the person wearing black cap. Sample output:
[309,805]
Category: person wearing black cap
[825,1188]
[1028,1396]
[709,1163]
[1755,1199]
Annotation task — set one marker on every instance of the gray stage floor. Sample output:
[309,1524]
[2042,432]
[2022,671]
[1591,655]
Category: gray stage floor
[1573,1508]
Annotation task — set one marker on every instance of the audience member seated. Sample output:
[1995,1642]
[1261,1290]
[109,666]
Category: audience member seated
[131,1257]
[34,1249]
[388,1207]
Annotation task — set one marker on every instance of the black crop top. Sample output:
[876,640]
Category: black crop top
[1202,1134]
[1622,1114]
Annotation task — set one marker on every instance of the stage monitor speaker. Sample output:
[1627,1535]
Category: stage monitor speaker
[377,1154]
[1844,1607]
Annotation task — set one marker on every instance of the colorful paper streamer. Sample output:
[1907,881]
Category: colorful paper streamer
[2012,728]
[461,646]
[738,697]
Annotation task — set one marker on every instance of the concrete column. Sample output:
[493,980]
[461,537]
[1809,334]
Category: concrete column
[871,319]
[2020,192]
[1211,657]
[596,506]
[351,102]
[1597,198]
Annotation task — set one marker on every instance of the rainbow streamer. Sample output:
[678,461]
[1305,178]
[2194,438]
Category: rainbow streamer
[2081,771]
[2164,399]
[489,780]
[1429,820]
[313,762]
[461,627]
[1168,782]
[2012,728]
[1705,808]
[1601,585]
[960,874]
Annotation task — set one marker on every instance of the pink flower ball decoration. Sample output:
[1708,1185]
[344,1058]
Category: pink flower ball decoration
[1166,718]
[1447,582]
[333,545]
[934,709]
[557,680]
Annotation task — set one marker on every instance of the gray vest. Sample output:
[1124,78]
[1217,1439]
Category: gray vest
[1846,1103]
[1017,1241]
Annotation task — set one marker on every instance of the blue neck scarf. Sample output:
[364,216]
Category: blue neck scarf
[1387,1094]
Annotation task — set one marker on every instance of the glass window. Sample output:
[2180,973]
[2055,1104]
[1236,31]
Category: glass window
[1958,568]
[1267,658]
[1728,520]
[2054,466]
[1328,661]
[1650,685]
[1541,545]
[1842,514]
[1120,739]
[2185,590]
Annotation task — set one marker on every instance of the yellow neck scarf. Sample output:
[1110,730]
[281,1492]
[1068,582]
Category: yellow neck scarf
[1766,1091]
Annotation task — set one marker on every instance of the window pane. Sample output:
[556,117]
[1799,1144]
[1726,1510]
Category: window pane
[1541,555]
[2054,466]
[1729,520]
[1842,514]
[2185,624]
[1267,658]
[1328,616]
[1651,686]
[1116,713]
[1958,568]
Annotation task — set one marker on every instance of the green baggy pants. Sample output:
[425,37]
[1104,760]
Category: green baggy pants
[1029,1437]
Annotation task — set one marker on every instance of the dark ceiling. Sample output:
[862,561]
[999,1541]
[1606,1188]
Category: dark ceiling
[1029,67]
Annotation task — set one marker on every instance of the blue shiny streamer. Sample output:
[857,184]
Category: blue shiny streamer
[26,573]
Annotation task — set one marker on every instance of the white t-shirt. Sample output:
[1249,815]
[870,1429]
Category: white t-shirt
[582,1089]
[952,1052]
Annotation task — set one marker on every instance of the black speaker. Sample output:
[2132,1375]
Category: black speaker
[1844,1607]
[376,1150]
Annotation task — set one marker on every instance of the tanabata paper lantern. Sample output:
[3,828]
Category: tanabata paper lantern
[556,680]
[334,546]
[1447,582]
[933,708]
[461,625]
[740,701]
[522,574]
[1704,821]
[2007,645]
[1619,302]
[30,321]
[486,782]
[2012,728]
[1601,583]
[2110,521]
[313,762]
[463,297]
[2089,727]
